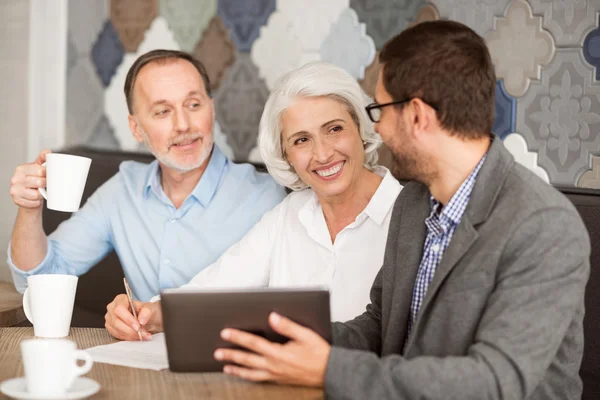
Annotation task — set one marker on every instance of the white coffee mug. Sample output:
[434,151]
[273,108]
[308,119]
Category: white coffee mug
[48,304]
[65,180]
[51,366]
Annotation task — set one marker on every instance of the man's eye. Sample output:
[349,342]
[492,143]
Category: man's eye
[195,105]
[161,112]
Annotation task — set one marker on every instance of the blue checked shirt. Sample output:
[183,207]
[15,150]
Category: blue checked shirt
[440,228]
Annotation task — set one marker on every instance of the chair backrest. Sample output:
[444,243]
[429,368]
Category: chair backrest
[587,202]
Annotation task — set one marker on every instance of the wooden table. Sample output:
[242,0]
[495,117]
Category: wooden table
[129,383]
[11,305]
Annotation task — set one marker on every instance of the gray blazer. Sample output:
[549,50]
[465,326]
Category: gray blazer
[502,318]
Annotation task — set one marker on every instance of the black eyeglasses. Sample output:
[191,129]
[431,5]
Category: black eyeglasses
[374,109]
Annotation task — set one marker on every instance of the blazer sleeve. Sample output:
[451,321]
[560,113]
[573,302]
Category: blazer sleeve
[540,284]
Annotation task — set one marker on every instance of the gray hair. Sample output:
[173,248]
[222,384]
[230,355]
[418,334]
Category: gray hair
[315,79]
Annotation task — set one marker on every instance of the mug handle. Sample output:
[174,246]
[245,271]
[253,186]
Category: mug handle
[43,192]
[26,307]
[80,370]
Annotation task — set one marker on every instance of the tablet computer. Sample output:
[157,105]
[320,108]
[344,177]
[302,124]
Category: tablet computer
[193,320]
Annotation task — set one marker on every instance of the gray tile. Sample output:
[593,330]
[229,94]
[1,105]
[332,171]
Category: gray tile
[72,54]
[85,22]
[569,21]
[239,102]
[85,102]
[348,45]
[384,18]
[477,14]
[188,19]
[560,117]
[103,136]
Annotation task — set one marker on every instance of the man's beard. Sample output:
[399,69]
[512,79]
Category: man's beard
[165,158]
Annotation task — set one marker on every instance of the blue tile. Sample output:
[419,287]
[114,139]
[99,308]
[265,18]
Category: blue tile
[107,53]
[244,18]
[591,49]
[506,112]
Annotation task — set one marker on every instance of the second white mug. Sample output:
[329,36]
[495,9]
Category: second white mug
[51,366]
[65,180]
[48,304]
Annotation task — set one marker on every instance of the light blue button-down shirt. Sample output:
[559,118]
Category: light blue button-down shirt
[159,246]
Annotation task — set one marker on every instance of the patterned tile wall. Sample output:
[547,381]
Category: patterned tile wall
[546,54]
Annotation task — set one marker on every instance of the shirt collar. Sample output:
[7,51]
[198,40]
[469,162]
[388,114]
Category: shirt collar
[377,208]
[457,205]
[385,196]
[205,188]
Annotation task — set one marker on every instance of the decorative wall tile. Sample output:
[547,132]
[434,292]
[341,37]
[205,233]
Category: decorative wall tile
[216,51]
[519,47]
[427,13]
[278,49]
[244,19]
[107,53]
[517,146]
[220,139]
[72,54]
[591,49]
[591,179]
[103,137]
[239,104]
[384,18]
[85,19]
[477,14]
[84,102]
[348,45]
[311,20]
[157,37]
[559,116]
[568,20]
[188,19]
[506,112]
[369,82]
[131,19]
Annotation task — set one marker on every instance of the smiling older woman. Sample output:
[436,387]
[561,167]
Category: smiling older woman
[315,138]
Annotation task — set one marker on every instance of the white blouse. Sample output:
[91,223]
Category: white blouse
[291,247]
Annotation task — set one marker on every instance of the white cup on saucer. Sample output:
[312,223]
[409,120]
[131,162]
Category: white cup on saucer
[51,365]
[65,180]
[48,303]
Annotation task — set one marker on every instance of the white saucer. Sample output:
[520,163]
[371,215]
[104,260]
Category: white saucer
[81,388]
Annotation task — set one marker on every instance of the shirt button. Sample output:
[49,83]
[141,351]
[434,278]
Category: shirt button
[172,220]
[435,248]
[167,261]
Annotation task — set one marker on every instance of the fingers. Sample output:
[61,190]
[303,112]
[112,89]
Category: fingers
[288,328]
[251,342]
[120,322]
[144,312]
[248,374]
[41,158]
[241,357]
[24,184]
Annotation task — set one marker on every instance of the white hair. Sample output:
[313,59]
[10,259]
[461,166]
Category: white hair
[315,79]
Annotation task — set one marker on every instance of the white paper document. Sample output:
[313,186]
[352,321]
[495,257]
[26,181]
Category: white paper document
[151,354]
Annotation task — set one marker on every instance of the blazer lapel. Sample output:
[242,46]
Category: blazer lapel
[481,203]
[409,247]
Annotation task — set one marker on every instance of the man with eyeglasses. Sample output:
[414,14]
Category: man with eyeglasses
[480,295]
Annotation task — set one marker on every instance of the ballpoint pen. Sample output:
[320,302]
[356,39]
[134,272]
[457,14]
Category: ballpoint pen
[130,297]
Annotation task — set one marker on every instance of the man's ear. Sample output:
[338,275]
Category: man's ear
[422,116]
[135,129]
